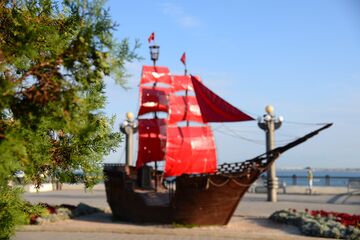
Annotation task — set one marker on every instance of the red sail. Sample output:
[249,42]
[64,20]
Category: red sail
[152,140]
[156,74]
[189,150]
[214,108]
[184,108]
[153,99]
[182,83]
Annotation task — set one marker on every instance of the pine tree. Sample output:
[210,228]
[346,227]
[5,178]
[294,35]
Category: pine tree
[54,59]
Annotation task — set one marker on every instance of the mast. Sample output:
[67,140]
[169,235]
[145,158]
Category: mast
[183,60]
[185,149]
[152,131]
[154,54]
[189,149]
[186,97]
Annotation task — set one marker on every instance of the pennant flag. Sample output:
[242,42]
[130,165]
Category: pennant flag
[151,37]
[183,58]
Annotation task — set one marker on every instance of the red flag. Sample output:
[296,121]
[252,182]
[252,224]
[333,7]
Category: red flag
[183,58]
[151,37]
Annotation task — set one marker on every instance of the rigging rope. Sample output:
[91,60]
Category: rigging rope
[241,184]
[218,185]
[235,135]
[241,137]
[232,132]
[304,123]
[226,181]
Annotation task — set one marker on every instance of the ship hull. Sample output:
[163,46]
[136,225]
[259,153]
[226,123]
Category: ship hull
[197,200]
[206,199]
[128,205]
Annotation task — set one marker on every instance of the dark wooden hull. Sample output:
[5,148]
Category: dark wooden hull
[197,200]
[208,199]
[128,205]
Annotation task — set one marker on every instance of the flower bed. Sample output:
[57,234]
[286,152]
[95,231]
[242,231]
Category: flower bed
[320,223]
[56,213]
[344,218]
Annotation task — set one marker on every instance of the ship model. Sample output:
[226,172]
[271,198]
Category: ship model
[191,188]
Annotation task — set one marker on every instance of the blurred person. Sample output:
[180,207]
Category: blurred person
[310,178]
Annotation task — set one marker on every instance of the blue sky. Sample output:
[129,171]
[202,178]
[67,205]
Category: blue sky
[303,57]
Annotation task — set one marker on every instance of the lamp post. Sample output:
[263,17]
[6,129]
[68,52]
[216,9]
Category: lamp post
[154,53]
[269,123]
[129,127]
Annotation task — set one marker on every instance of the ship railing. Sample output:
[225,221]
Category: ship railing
[240,167]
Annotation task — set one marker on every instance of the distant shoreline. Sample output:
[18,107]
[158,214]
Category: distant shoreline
[322,169]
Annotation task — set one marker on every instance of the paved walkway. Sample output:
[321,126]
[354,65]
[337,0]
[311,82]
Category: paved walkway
[99,226]
[249,220]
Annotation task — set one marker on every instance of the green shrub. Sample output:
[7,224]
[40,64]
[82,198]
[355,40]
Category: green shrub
[11,213]
[14,210]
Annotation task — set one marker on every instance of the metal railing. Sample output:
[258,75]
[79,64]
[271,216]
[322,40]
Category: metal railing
[170,185]
[327,180]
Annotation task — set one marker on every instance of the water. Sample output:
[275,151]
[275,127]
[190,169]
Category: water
[321,177]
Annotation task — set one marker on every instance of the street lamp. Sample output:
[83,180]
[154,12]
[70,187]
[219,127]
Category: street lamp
[154,53]
[129,127]
[269,123]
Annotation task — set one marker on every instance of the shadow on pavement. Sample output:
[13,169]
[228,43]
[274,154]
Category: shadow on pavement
[100,217]
[346,198]
[106,217]
[265,223]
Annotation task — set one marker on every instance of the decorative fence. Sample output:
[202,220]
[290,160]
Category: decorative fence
[327,180]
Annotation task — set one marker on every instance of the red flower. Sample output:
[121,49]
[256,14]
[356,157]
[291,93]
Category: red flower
[51,210]
[344,218]
[33,219]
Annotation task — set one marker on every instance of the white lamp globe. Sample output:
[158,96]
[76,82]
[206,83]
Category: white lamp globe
[267,117]
[125,123]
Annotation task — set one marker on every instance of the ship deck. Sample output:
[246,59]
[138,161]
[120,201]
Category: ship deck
[159,198]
